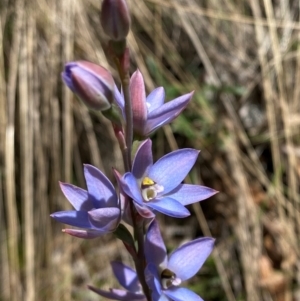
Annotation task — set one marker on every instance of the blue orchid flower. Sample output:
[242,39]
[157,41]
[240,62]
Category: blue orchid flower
[164,275]
[128,278]
[158,186]
[97,209]
[150,113]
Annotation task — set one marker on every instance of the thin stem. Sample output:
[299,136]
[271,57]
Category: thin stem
[138,227]
[142,261]
[128,112]
[125,159]
[139,261]
[125,80]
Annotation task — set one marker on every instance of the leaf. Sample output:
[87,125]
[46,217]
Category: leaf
[123,234]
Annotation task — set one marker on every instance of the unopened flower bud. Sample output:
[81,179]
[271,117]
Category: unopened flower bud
[115,19]
[138,100]
[92,83]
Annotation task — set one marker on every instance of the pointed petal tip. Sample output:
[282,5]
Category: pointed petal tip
[190,94]
[211,193]
[214,192]
[61,184]
[116,173]
[137,75]
[92,288]
[55,214]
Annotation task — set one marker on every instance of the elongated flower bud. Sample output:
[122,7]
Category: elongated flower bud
[115,19]
[92,83]
[138,99]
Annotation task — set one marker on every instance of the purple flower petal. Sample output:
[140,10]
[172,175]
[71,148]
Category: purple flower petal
[143,159]
[155,249]
[188,194]
[173,106]
[161,298]
[124,200]
[155,99]
[131,187]
[166,113]
[182,294]
[100,189]
[169,207]
[119,99]
[186,261]
[92,90]
[97,210]
[153,280]
[97,71]
[73,218]
[67,75]
[117,294]
[170,170]
[144,211]
[105,218]
[78,197]
[126,276]
[86,234]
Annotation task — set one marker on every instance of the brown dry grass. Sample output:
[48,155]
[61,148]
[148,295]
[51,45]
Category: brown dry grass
[249,141]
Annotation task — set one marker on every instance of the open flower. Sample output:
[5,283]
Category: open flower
[158,186]
[92,83]
[164,275]
[96,210]
[150,113]
[128,278]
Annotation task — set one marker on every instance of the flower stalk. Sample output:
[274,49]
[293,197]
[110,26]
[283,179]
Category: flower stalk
[146,187]
[122,65]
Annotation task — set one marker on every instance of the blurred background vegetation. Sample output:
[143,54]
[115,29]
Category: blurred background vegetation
[242,58]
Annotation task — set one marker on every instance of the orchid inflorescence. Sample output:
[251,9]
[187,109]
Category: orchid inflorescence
[146,187]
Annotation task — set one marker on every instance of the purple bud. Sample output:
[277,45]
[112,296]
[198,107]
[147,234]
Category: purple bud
[138,99]
[115,19]
[92,83]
